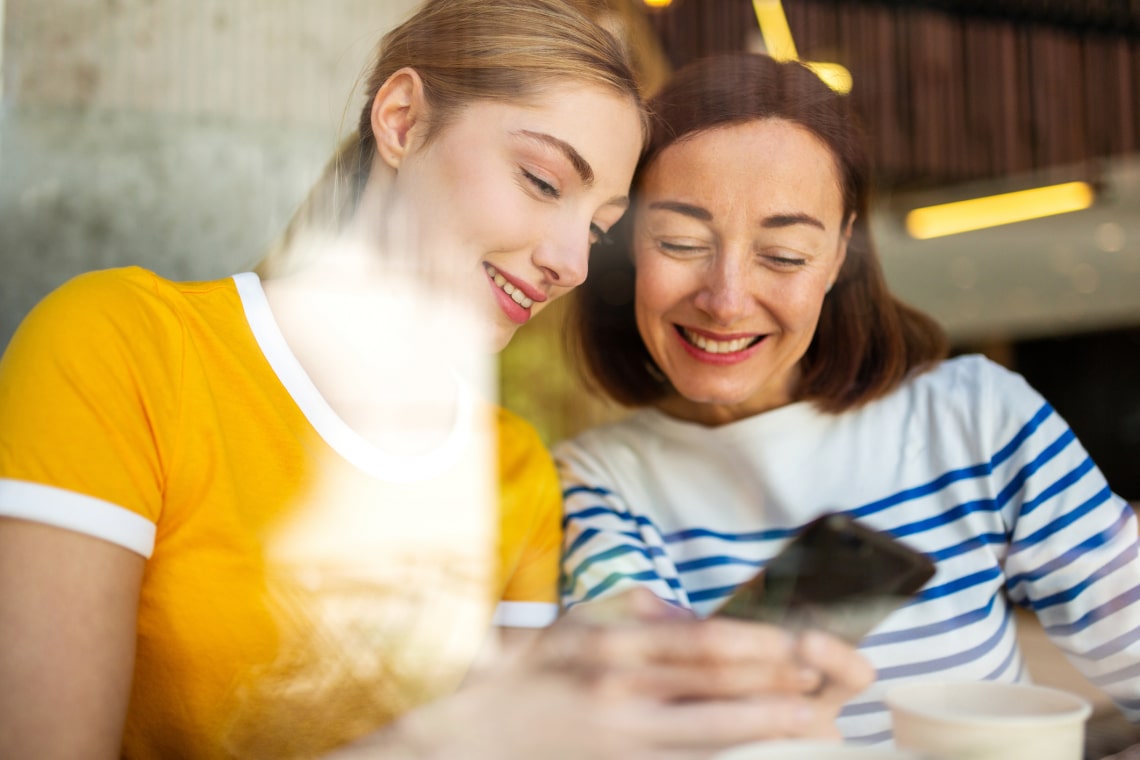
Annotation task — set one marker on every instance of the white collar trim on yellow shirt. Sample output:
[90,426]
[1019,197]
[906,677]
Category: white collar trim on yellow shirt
[343,439]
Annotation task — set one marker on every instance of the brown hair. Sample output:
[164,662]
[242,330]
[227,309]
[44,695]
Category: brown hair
[463,51]
[867,341]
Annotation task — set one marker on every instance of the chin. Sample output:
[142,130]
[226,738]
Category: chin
[711,396]
[498,341]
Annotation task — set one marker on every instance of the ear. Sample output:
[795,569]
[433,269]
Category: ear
[398,106]
[844,239]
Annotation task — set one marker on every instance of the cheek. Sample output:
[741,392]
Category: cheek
[653,296]
[661,283]
[797,304]
[487,209]
[662,290]
[474,203]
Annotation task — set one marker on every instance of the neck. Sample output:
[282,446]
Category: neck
[713,414]
[368,343]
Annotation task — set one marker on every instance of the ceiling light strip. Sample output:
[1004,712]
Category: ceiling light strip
[775,30]
[995,210]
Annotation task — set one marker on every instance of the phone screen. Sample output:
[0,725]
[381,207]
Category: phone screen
[836,575]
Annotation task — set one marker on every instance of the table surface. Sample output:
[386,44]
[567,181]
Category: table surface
[1108,734]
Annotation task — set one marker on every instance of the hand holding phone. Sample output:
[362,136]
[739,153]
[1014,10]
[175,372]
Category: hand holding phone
[835,575]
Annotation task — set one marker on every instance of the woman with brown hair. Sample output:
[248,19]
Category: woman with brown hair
[260,517]
[745,309]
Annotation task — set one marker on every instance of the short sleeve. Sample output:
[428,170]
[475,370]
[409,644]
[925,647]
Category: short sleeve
[86,393]
[531,526]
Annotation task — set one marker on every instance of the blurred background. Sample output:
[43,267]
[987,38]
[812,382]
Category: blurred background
[180,135]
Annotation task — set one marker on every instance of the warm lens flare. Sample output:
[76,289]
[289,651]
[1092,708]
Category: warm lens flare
[833,75]
[779,44]
[775,30]
[995,210]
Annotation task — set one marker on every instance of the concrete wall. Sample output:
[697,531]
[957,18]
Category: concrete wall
[178,135]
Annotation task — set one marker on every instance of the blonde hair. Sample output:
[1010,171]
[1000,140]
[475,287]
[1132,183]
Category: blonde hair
[463,51]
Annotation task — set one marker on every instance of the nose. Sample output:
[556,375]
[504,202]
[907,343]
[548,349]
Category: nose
[564,254]
[725,292]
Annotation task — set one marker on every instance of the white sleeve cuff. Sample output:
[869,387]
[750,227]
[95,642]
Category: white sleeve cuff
[525,614]
[74,511]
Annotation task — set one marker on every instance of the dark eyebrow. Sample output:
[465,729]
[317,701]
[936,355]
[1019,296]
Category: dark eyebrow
[787,220]
[685,209]
[581,165]
[775,221]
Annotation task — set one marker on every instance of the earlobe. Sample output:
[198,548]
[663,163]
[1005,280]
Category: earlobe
[396,109]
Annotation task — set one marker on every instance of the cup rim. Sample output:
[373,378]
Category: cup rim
[1078,709]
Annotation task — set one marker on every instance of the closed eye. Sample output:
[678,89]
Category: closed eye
[786,261]
[679,248]
[542,185]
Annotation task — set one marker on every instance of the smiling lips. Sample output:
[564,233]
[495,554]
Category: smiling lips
[718,351]
[516,294]
[514,302]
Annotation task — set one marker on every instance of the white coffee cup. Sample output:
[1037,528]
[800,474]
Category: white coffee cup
[804,749]
[988,720]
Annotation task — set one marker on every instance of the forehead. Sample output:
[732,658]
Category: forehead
[762,163]
[558,102]
[600,122]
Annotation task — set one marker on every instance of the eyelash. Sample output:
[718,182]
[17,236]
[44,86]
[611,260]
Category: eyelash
[786,261]
[542,185]
[598,235]
[675,248]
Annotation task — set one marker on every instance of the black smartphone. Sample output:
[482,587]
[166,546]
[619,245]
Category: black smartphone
[836,575]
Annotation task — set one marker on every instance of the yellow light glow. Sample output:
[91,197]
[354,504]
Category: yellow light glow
[658,3]
[995,210]
[775,30]
[833,75]
[778,42]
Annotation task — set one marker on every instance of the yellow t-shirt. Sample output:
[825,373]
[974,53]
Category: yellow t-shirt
[301,587]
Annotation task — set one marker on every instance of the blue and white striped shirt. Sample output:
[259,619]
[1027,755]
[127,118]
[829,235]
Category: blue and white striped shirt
[966,463]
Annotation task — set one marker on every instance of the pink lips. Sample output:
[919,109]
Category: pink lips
[722,360]
[514,311]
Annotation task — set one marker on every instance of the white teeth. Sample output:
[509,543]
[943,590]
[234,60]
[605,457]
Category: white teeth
[515,294]
[716,346]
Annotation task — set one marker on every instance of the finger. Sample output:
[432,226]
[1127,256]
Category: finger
[644,605]
[845,671]
[679,681]
[638,603]
[715,724]
[681,641]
